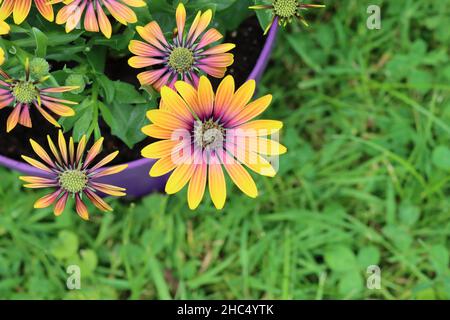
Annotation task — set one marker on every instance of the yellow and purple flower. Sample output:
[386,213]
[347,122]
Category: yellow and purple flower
[183,58]
[20,10]
[95,18]
[286,10]
[25,93]
[203,131]
[72,175]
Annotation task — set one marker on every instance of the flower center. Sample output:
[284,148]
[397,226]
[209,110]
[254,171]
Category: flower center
[285,8]
[209,134]
[73,181]
[25,92]
[181,59]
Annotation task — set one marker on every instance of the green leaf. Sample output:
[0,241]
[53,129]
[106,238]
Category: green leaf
[441,157]
[127,93]
[368,256]
[409,214]
[66,245]
[350,284]
[97,58]
[108,87]
[439,258]
[340,258]
[41,43]
[127,122]
[106,113]
[82,125]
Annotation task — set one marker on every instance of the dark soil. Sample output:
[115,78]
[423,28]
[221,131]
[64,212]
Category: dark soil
[249,41]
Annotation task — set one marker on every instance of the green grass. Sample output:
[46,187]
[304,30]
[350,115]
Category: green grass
[366,181]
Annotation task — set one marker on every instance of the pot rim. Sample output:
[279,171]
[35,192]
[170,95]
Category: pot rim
[256,75]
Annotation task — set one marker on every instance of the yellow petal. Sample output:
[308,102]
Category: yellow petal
[225,93]
[21,10]
[47,200]
[205,96]
[240,176]
[162,167]
[166,120]
[217,185]
[189,95]
[37,164]
[252,110]
[260,127]
[176,104]
[152,130]
[181,19]
[197,185]
[179,178]
[111,170]
[240,99]
[160,149]
[41,152]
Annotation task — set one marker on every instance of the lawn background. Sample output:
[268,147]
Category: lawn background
[366,181]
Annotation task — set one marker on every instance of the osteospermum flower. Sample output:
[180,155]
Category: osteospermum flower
[26,93]
[185,56]
[286,10]
[72,175]
[95,18]
[203,132]
[21,8]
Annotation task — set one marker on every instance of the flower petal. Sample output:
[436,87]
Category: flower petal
[162,167]
[93,152]
[152,130]
[21,10]
[240,99]
[103,21]
[97,201]
[181,20]
[197,184]
[179,178]
[160,149]
[176,104]
[225,93]
[216,182]
[81,208]
[41,153]
[60,205]
[47,200]
[252,110]
[110,171]
[239,175]
[13,118]
[166,120]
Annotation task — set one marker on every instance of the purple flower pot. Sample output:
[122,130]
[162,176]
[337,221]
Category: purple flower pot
[136,179]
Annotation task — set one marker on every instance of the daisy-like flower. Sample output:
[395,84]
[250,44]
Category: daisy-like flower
[286,10]
[25,93]
[185,56]
[202,132]
[95,18]
[72,175]
[21,8]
